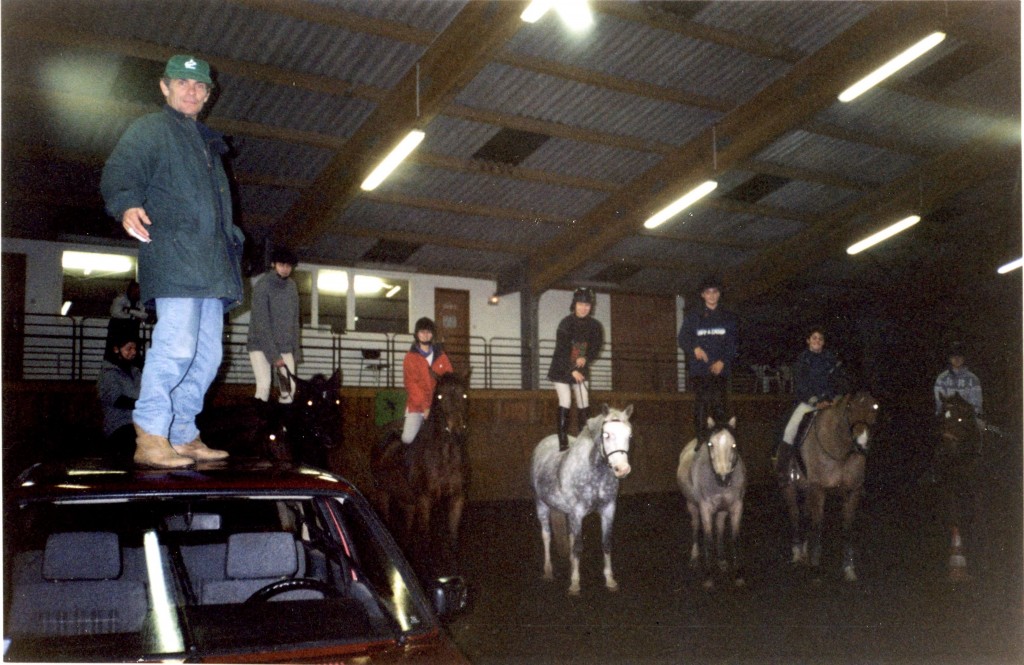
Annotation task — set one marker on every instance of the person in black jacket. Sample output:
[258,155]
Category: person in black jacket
[816,384]
[578,343]
[165,183]
[118,386]
[708,338]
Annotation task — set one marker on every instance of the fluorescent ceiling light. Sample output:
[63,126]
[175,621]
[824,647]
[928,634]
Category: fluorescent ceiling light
[891,67]
[575,13]
[535,10]
[1011,266]
[394,289]
[681,203]
[887,232]
[88,262]
[401,151]
[65,308]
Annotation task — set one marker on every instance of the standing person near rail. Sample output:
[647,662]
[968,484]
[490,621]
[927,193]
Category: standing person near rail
[166,185]
[578,343]
[274,327]
[421,364]
[708,337]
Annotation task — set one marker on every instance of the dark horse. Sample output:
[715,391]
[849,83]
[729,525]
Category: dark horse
[303,432]
[833,452]
[955,463]
[426,481]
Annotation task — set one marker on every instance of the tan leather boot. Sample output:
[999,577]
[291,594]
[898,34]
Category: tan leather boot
[200,452]
[156,451]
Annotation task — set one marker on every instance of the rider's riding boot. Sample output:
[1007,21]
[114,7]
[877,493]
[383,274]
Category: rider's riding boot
[785,455]
[699,421]
[563,423]
[582,416]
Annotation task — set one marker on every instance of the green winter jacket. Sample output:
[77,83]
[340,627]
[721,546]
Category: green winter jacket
[170,165]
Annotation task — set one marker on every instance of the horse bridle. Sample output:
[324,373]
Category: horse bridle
[608,455]
[722,480]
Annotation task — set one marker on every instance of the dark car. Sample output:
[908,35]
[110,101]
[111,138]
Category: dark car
[249,561]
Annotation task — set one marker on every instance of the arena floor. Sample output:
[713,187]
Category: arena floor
[903,609]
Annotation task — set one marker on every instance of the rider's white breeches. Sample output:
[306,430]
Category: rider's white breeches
[413,422]
[802,409]
[566,393]
[261,369]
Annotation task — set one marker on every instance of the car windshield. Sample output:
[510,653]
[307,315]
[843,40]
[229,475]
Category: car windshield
[125,579]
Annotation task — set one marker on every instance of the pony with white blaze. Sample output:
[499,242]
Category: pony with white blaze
[581,480]
[713,480]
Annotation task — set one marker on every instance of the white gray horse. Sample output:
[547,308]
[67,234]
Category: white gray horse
[713,480]
[581,480]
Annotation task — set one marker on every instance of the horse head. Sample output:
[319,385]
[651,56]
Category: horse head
[722,449]
[958,425]
[317,407]
[616,433]
[450,405]
[861,414]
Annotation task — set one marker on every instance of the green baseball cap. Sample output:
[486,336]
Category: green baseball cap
[188,67]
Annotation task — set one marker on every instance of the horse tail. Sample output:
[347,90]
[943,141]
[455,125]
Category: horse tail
[560,532]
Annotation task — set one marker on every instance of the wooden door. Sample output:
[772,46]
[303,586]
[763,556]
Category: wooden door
[451,316]
[643,343]
[13,298]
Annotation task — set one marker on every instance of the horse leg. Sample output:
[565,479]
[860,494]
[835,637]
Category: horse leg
[607,520]
[735,518]
[796,540]
[544,517]
[421,534]
[720,552]
[707,527]
[575,549]
[816,507]
[850,503]
[456,504]
[695,531]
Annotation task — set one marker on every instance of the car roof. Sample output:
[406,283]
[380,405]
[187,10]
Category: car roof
[232,476]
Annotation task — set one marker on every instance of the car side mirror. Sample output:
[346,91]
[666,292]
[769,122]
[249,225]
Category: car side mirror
[450,595]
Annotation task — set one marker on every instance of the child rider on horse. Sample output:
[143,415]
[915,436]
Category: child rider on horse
[578,343]
[422,363]
[815,382]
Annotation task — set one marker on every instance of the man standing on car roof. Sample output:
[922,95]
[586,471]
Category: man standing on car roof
[166,184]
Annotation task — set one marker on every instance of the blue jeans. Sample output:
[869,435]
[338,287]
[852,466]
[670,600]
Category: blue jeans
[180,365]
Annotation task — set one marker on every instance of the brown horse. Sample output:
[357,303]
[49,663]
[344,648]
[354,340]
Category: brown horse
[956,462]
[426,481]
[833,452]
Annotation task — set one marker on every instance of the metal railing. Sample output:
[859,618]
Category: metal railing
[70,348]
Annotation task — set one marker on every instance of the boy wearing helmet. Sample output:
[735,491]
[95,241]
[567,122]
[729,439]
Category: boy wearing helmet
[578,343]
[956,379]
[422,363]
[274,327]
[708,337]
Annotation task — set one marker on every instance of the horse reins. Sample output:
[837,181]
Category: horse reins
[608,455]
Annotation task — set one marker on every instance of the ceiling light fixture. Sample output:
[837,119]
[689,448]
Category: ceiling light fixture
[88,262]
[392,291]
[575,13]
[891,67]
[885,233]
[65,308]
[391,162]
[1011,266]
[681,203]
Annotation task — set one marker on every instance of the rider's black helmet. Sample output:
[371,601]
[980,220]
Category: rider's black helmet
[284,255]
[424,324]
[582,294]
[710,282]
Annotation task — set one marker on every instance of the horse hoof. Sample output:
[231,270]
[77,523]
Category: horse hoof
[708,584]
[574,591]
[613,587]
[959,575]
[849,574]
[739,583]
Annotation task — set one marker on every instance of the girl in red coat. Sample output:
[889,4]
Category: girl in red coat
[423,356]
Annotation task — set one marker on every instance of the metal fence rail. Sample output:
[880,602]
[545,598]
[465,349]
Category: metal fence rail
[70,348]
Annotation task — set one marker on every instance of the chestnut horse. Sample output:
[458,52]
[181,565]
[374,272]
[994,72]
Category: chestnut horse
[425,482]
[833,451]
